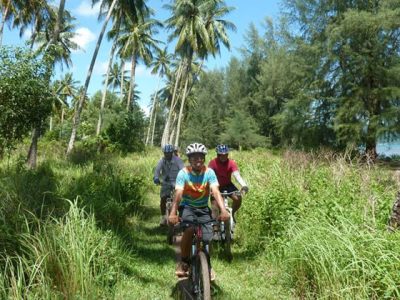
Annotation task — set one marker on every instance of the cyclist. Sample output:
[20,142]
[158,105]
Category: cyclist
[224,169]
[165,174]
[192,190]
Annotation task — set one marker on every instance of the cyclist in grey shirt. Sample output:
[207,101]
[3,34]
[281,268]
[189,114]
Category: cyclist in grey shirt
[165,174]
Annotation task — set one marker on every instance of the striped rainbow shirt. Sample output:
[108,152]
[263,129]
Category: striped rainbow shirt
[195,186]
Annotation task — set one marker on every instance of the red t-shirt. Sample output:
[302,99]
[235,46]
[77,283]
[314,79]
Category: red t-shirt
[223,170]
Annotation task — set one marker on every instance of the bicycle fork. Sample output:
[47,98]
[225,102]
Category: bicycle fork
[222,223]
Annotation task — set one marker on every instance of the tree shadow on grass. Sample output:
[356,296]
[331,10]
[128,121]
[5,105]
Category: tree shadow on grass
[238,254]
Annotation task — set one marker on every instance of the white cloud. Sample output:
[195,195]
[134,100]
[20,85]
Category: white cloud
[142,71]
[86,9]
[145,109]
[83,37]
[27,35]
[100,68]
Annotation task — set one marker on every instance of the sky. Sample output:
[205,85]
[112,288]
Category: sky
[88,28]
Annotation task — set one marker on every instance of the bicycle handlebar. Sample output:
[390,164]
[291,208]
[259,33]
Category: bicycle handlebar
[225,193]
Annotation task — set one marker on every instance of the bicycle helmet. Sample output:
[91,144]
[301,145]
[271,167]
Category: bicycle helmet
[196,148]
[222,149]
[168,148]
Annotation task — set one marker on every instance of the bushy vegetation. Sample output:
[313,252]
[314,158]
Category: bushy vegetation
[25,96]
[52,247]
[323,219]
[314,225]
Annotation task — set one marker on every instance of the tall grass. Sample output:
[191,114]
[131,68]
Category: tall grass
[341,261]
[318,221]
[67,258]
[323,219]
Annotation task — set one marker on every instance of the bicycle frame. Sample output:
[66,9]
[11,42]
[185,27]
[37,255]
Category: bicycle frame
[225,195]
[169,200]
[225,227]
[199,256]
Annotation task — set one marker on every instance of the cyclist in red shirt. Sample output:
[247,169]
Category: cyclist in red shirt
[224,168]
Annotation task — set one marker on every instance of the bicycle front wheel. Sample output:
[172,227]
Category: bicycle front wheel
[170,233]
[202,278]
[228,240]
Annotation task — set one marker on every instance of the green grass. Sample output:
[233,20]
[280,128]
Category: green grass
[312,226]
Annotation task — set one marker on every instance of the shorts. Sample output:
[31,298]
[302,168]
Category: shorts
[228,188]
[203,215]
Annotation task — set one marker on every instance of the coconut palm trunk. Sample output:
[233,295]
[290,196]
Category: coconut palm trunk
[32,153]
[173,130]
[3,19]
[77,115]
[153,106]
[121,96]
[165,136]
[178,126]
[57,28]
[131,92]
[103,99]
[62,121]
[154,125]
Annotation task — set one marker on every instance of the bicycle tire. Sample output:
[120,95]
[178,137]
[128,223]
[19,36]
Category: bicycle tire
[228,240]
[170,232]
[202,277]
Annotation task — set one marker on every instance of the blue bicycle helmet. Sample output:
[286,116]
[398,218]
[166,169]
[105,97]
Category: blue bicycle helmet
[168,148]
[222,149]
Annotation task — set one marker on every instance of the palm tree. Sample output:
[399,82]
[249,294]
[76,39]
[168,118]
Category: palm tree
[114,33]
[199,29]
[8,11]
[136,9]
[66,88]
[35,13]
[175,81]
[137,43]
[114,77]
[160,67]
[63,44]
[32,153]
[77,114]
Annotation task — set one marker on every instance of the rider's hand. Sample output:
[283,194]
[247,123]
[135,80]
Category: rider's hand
[173,218]
[244,190]
[224,215]
[156,180]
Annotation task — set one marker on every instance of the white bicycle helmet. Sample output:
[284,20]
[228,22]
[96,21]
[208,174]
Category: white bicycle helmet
[196,148]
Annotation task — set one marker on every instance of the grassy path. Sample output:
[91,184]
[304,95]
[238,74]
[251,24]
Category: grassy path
[153,276]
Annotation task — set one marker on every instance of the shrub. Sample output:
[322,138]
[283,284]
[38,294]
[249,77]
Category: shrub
[125,134]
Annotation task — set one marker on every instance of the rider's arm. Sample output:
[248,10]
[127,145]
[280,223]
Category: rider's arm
[179,186]
[239,178]
[180,163]
[157,171]
[177,200]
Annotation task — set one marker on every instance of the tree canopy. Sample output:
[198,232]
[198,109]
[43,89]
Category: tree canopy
[25,96]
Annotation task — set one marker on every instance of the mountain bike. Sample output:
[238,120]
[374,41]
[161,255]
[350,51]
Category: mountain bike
[170,232]
[200,267]
[225,228]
